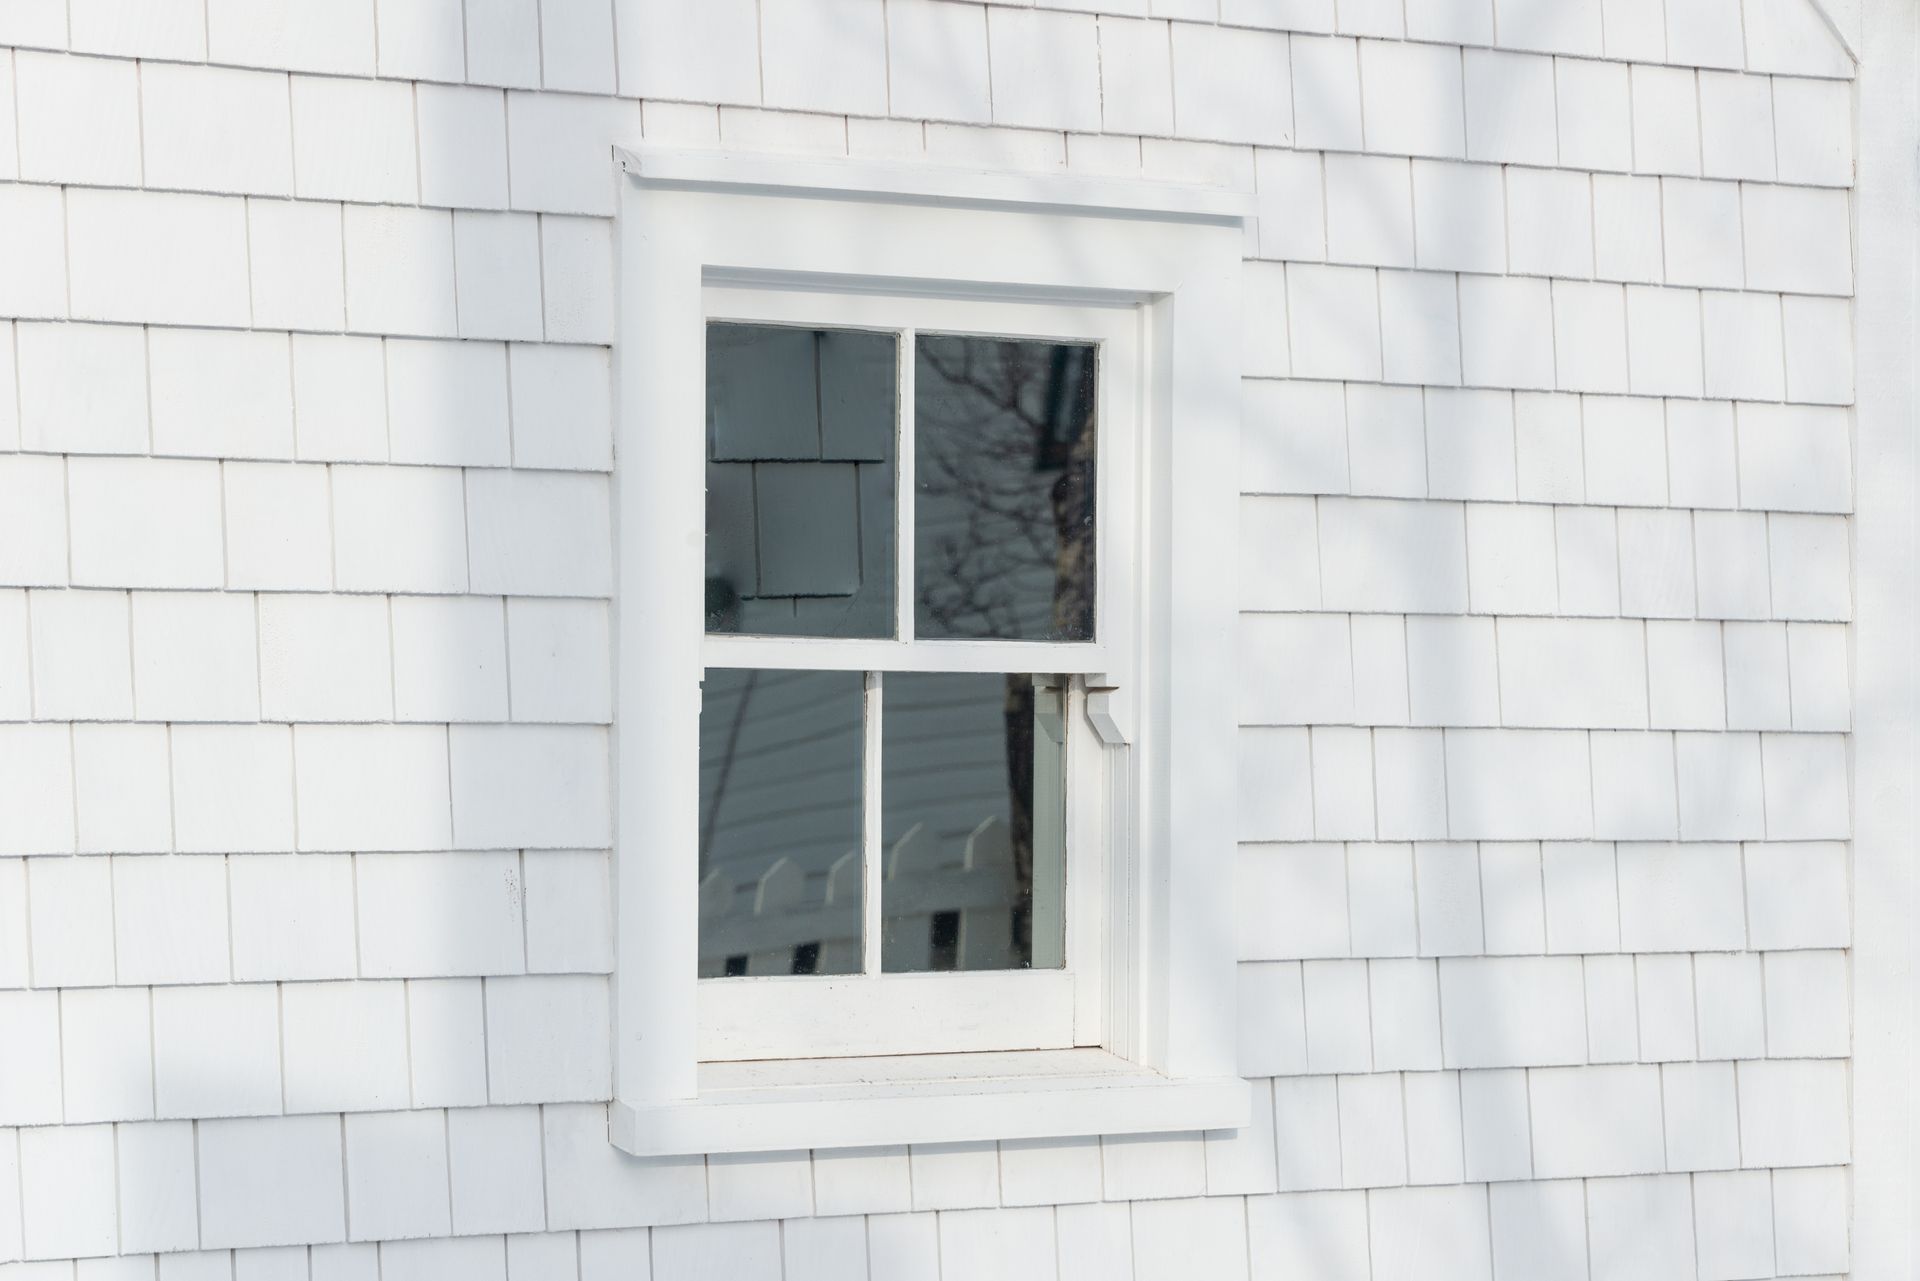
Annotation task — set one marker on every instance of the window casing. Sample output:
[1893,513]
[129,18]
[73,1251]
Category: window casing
[1130,1026]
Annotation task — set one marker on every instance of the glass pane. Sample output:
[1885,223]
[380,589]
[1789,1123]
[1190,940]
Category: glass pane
[1003,463]
[780,821]
[973,822]
[800,481]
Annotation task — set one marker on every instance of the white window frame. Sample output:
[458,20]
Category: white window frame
[1164,1059]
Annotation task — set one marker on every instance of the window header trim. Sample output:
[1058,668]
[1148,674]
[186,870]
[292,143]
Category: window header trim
[947,185]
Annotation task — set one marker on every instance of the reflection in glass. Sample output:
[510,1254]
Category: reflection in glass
[780,819]
[800,481]
[973,822]
[1003,488]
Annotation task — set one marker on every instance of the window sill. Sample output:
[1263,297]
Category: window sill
[782,1105]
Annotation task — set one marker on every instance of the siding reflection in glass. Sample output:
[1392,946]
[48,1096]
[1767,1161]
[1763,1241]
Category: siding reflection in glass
[973,822]
[1004,472]
[800,481]
[780,819]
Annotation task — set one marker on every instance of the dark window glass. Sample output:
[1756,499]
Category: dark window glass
[780,821]
[1003,479]
[800,481]
[943,941]
[972,822]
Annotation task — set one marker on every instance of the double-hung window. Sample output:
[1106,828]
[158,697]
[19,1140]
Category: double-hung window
[918,549]
[924,727]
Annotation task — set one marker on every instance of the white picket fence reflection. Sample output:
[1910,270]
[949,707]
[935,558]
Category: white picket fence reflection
[942,911]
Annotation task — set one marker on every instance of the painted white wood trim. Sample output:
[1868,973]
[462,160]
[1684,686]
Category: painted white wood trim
[657,629]
[905,307]
[1843,19]
[873,880]
[945,184]
[944,1012]
[1042,1095]
[1886,951]
[1170,961]
[905,499]
[811,653]
[1190,769]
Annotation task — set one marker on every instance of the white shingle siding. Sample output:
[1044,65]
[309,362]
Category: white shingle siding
[305,668]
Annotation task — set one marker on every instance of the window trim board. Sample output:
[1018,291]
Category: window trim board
[1021,1095]
[687,220]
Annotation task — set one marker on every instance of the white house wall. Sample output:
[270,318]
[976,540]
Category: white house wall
[304,558]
